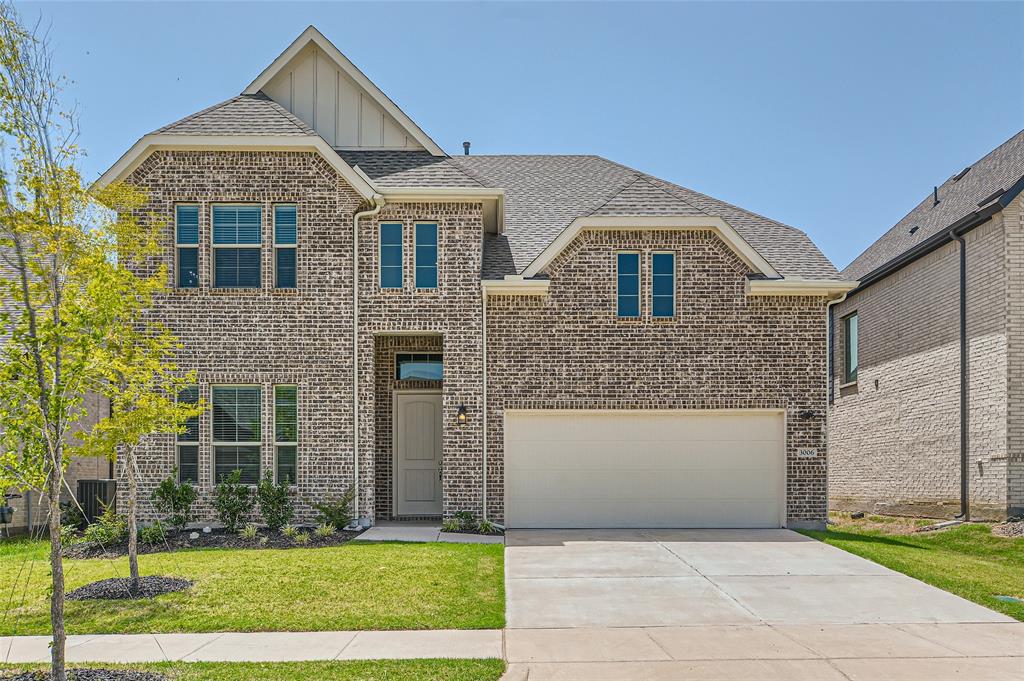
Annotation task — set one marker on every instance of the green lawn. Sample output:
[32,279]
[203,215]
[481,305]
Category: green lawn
[373,670]
[966,560]
[350,587]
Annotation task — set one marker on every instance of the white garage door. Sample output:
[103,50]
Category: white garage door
[644,469]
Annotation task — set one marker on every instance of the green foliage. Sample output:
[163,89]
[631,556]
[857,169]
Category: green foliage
[290,531]
[336,512]
[451,525]
[301,538]
[276,505]
[174,500]
[69,535]
[232,500]
[109,528]
[153,534]
[467,521]
[486,527]
[249,532]
[324,530]
[71,515]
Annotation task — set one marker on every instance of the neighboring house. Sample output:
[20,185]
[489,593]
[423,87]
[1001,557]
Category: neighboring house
[548,341]
[915,413]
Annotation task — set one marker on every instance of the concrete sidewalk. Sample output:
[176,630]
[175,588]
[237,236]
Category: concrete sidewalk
[260,646]
[424,532]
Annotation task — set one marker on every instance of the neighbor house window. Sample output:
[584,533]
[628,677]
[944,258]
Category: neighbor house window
[286,431]
[391,255]
[285,238]
[850,348]
[419,366]
[236,432]
[663,285]
[186,241]
[237,246]
[627,269]
[426,255]
[188,441]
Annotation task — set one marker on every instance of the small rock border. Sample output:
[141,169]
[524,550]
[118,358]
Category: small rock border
[215,539]
[1011,529]
[88,675]
[120,588]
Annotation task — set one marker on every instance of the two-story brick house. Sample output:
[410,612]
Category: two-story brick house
[548,341]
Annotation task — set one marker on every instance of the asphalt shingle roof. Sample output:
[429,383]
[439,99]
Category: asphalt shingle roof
[959,196]
[409,169]
[242,115]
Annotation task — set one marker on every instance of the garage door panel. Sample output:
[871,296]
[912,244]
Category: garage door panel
[644,469]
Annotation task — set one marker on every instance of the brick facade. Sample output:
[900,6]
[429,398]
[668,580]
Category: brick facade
[567,349]
[895,434]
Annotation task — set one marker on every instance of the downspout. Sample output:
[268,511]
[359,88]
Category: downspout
[483,299]
[965,507]
[378,204]
[830,382]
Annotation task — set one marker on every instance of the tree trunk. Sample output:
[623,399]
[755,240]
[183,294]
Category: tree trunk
[57,569]
[133,530]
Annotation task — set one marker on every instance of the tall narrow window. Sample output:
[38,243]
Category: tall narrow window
[663,285]
[186,241]
[391,255]
[188,441]
[237,246]
[285,238]
[850,348]
[628,285]
[286,431]
[236,432]
[426,255]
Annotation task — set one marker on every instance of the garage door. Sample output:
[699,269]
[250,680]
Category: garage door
[644,469]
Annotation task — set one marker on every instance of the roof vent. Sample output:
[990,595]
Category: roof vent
[914,229]
[935,196]
[465,148]
[959,176]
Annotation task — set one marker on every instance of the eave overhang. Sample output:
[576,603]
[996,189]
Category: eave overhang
[515,285]
[827,288]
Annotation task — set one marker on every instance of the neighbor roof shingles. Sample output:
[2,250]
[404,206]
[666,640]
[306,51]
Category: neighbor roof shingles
[242,115]
[996,172]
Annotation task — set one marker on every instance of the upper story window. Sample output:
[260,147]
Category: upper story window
[426,255]
[627,269]
[391,263]
[236,431]
[187,446]
[286,432]
[663,285]
[186,242]
[237,246]
[285,240]
[850,348]
[421,366]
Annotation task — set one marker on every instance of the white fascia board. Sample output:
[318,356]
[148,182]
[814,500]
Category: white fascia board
[828,288]
[682,222]
[515,285]
[440,194]
[311,34]
[141,150]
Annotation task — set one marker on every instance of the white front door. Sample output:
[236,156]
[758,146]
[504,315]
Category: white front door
[417,451]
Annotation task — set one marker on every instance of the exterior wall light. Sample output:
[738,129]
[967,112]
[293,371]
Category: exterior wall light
[460,415]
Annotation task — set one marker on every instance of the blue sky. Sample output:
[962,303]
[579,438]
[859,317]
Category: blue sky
[836,118]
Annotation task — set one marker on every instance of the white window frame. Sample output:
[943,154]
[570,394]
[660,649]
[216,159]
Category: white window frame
[178,246]
[179,443]
[437,255]
[258,247]
[380,255]
[283,443]
[639,284]
[216,443]
[675,278]
[846,378]
[294,246]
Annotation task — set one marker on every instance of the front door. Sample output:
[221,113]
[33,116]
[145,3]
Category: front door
[417,451]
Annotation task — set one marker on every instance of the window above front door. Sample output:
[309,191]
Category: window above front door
[418,366]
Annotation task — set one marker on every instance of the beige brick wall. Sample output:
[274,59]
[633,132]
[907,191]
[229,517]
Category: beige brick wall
[1013,220]
[895,435]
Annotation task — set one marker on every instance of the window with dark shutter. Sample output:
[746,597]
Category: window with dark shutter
[237,246]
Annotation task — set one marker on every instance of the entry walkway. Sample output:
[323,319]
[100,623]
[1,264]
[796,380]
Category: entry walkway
[412,531]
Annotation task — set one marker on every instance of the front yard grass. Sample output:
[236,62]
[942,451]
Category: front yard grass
[966,560]
[350,587]
[372,670]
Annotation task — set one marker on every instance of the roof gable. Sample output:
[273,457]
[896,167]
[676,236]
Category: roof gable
[313,80]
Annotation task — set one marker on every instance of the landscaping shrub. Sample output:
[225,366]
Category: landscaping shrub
[486,527]
[71,515]
[249,532]
[337,512]
[467,520]
[174,500]
[324,530]
[290,531]
[301,538]
[109,528]
[153,534]
[232,500]
[451,525]
[275,503]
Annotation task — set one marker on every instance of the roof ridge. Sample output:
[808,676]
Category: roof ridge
[186,119]
[465,171]
[633,180]
[647,178]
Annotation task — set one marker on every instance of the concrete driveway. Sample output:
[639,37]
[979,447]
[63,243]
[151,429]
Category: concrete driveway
[724,604]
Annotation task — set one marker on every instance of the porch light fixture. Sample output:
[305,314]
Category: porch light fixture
[460,415]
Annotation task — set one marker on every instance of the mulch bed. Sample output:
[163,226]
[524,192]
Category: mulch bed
[89,675]
[1012,529]
[217,539]
[120,588]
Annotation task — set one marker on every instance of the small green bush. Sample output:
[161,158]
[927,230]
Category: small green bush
[486,527]
[249,532]
[232,500]
[275,503]
[451,525]
[337,512]
[71,515]
[174,500]
[301,538]
[324,530]
[467,520]
[109,528]
[152,534]
[264,541]
[69,535]
[290,531]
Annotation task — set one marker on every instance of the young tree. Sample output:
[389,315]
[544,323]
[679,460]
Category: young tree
[65,254]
